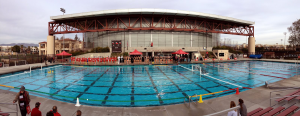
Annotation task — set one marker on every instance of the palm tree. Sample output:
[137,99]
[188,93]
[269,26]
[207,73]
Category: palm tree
[28,49]
[22,46]
[36,48]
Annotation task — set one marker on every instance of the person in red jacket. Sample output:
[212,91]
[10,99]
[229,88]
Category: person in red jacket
[35,111]
[54,110]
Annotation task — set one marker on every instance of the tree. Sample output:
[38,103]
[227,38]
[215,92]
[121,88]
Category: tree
[294,38]
[28,49]
[22,46]
[36,48]
[62,37]
[16,48]
[76,38]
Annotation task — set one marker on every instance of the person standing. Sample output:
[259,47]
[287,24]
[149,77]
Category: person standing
[23,99]
[54,110]
[36,111]
[78,113]
[243,109]
[233,112]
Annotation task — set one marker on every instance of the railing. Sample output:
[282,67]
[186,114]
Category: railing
[10,112]
[283,96]
[223,111]
[2,64]
[200,96]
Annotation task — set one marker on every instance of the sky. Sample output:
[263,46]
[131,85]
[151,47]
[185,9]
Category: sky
[25,21]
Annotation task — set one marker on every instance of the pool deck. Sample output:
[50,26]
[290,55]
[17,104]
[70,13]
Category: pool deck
[254,98]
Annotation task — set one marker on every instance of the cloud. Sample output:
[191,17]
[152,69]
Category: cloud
[26,21]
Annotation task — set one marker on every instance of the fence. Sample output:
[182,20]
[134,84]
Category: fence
[23,59]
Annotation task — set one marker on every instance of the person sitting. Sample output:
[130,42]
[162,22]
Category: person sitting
[35,111]
[54,110]
[78,113]
[233,112]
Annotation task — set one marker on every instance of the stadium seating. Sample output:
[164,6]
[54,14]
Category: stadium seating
[271,113]
[288,111]
[282,99]
[263,112]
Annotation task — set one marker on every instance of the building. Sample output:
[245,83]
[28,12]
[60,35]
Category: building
[151,31]
[5,48]
[70,45]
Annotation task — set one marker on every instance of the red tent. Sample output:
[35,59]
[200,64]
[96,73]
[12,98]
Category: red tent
[63,54]
[135,52]
[179,52]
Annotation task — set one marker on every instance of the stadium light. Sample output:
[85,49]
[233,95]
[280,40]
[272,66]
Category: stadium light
[64,11]
[284,39]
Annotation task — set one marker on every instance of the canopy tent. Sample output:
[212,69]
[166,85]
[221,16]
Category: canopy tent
[135,52]
[63,54]
[179,52]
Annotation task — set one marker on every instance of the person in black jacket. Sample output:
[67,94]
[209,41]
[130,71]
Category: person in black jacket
[132,59]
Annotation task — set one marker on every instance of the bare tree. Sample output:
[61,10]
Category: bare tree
[294,38]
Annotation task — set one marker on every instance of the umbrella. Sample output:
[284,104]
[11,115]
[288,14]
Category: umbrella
[63,54]
[135,52]
[179,52]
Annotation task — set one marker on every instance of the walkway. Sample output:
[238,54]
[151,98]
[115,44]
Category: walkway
[21,67]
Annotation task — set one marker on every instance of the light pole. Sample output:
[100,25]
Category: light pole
[206,54]
[284,39]
[124,41]
[64,11]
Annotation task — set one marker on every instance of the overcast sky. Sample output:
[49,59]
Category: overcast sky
[25,21]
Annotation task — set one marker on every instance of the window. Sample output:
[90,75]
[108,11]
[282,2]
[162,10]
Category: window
[221,54]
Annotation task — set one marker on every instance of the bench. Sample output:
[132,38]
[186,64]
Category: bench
[297,113]
[4,114]
[288,111]
[290,98]
[254,111]
[281,99]
[297,98]
[263,111]
[275,111]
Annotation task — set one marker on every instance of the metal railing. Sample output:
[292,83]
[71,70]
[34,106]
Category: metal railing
[10,112]
[223,111]
[282,96]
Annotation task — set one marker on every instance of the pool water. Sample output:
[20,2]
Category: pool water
[154,85]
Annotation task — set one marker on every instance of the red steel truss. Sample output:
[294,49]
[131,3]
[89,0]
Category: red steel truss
[148,22]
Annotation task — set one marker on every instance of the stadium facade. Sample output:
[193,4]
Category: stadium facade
[151,30]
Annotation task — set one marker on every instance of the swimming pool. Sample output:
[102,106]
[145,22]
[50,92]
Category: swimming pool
[154,85]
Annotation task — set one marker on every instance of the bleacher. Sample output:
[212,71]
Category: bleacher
[286,106]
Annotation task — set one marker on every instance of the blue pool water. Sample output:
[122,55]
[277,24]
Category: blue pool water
[153,85]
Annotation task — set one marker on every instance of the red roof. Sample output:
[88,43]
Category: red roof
[43,42]
[179,52]
[135,52]
[63,54]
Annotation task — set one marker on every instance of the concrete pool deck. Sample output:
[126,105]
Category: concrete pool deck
[254,98]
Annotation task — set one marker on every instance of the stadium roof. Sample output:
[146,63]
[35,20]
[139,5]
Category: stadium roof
[149,12]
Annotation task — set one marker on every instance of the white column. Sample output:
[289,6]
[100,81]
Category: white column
[172,39]
[251,45]
[107,39]
[151,35]
[191,40]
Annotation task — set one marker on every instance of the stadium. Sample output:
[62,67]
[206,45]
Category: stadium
[150,31]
